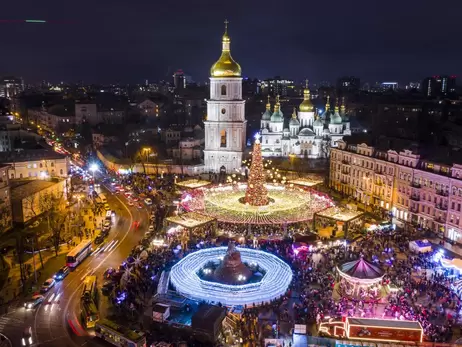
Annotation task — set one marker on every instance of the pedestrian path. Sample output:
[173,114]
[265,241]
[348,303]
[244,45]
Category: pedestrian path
[4,320]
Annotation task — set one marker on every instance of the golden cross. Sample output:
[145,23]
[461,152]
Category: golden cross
[306,84]
[226,25]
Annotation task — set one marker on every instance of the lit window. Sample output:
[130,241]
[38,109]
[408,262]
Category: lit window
[223,138]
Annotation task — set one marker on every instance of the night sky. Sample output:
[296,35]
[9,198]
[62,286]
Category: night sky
[130,41]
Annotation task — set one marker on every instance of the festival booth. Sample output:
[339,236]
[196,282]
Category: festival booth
[343,217]
[189,223]
[420,246]
[361,279]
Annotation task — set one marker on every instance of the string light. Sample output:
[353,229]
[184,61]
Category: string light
[256,193]
[278,276]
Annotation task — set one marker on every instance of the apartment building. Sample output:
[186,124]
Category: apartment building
[35,164]
[421,188]
[6,214]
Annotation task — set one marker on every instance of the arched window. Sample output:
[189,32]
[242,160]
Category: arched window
[223,90]
[223,138]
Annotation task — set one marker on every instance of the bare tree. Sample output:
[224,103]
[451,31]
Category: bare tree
[53,206]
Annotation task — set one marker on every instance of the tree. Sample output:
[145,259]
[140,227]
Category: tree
[256,193]
[56,216]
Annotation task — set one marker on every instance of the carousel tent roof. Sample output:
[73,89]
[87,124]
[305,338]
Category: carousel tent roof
[361,269]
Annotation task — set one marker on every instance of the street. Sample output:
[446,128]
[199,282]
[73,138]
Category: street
[56,322]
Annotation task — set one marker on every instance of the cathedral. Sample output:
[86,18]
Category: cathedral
[308,135]
[225,127]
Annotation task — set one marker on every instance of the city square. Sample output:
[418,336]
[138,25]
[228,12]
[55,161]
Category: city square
[154,192]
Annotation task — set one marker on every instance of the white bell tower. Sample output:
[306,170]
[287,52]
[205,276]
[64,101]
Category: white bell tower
[225,127]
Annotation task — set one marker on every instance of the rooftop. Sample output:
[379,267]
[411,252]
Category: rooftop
[29,155]
[21,189]
[340,214]
[190,220]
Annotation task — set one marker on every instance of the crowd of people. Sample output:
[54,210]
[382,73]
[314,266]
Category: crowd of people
[421,293]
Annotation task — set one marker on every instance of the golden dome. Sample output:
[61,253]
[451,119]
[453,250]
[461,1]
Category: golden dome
[306,105]
[226,66]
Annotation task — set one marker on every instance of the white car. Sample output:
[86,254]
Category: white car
[34,301]
[148,201]
[47,285]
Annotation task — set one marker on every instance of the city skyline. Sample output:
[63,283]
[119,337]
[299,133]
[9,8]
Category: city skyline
[120,42]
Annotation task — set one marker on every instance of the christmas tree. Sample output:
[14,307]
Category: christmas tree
[256,193]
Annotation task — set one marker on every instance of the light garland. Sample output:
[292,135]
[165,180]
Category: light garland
[274,284]
[256,193]
[289,204]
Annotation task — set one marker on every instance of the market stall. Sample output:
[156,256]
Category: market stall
[343,217]
[190,223]
[420,246]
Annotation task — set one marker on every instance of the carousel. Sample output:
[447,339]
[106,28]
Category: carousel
[360,279]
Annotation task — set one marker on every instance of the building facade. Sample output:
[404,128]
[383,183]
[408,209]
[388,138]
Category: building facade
[32,198]
[415,189]
[35,164]
[307,134]
[6,214]
[225,127]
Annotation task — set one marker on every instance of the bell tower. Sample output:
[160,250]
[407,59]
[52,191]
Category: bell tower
[225,127]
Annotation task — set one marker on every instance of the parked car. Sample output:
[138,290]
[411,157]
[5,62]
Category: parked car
[63,272]
[47,285]
[151,228]
[99,239]
[34,301]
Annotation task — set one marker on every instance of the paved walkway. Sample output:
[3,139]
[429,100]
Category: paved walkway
[84,218]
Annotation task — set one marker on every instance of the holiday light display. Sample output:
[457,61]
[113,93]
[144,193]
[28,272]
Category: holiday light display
[256,193]
[278,276]
[288,204]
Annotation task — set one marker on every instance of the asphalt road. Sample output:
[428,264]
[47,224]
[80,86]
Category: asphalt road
[56,323]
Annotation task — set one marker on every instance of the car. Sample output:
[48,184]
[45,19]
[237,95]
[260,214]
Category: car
[63,272]
[47,285]
[148,201]
[128,187]
[151,228]
[34,301]
[134,198]
[128,194]
[26,339]
[107,207]
[138,205]
[107,223]
[99,239]
[130,203]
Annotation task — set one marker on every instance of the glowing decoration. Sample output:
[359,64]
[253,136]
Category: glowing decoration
[288,204]
[257,194]
[274,284]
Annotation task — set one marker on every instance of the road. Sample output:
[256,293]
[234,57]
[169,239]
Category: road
[56,323]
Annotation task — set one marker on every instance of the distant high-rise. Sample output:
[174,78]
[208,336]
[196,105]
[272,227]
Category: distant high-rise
[11,86]
[439,86]
[179,80]
[348,84]
[277,86]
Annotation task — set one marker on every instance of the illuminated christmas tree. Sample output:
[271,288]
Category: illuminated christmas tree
[256,193]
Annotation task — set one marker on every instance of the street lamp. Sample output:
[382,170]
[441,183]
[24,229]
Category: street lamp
[94,167]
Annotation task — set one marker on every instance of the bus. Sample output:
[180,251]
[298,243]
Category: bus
[78,254]
[119,335]
[90,290]
[89,313]
[103,198]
